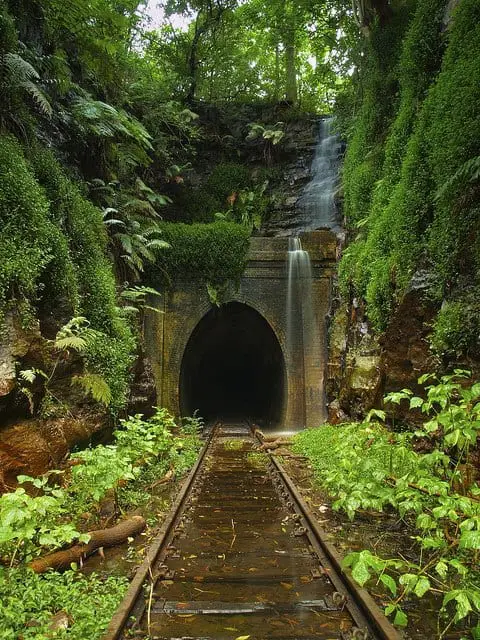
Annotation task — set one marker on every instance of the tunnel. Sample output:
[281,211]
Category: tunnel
[233,368]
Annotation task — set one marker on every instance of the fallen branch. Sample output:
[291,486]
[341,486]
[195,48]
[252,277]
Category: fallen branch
[279,442]
[100,538]
[166,478]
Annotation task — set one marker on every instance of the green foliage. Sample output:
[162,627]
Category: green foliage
[213,252]
[453,139]
[457,327]
[139,444]
[109,352]
[227,179]
[30,242]
[364,466]
[368,128]
[29,524]
[89,602]
[425,198]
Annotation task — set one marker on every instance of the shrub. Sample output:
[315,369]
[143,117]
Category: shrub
[213,253]
[226,179]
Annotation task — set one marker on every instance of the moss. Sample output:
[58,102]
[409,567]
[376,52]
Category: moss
[111,355]
[453,138]
[378,86]
[29,242]
[456,329]
[212,253]
[400,208]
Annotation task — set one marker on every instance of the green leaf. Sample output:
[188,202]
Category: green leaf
[390,583]
[400,619]
[422,586]
[442,569]
[470,540]
[361,573]
[416,402]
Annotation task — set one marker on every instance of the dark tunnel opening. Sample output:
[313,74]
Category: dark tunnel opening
[233,367]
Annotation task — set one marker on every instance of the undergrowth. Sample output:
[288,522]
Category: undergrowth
[61,505]
[369,467]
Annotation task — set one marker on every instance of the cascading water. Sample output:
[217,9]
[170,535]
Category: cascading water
[316,205]
[304,348]
[300,320]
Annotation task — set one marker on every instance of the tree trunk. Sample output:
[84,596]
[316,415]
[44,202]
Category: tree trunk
[291,93]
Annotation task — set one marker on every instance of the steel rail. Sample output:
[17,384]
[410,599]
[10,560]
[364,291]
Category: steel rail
[362,607]
[368,618]
[156,549]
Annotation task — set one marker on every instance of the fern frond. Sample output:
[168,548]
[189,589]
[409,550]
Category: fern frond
[158,244]
[28,375]
[39,97]
[125,241]
[71,342]
[19,69]
[96,386]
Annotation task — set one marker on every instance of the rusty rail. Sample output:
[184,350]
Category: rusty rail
[363,609]
[369,621]
[156,550]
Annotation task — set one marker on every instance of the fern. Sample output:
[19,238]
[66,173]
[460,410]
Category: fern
[74,335]
[96,386]
[39,97]
[71,342]
[30,375]
[468,172]
[20,74]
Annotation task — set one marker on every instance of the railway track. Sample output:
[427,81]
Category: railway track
[241,556]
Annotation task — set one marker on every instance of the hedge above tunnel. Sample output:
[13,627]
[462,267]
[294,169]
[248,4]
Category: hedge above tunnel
[213,253]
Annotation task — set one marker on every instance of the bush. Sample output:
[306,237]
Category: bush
[213,253]
[226,179]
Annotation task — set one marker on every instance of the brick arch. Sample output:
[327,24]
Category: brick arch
[266,360]
[198,308]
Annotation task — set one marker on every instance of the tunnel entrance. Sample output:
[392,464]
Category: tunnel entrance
[233,367]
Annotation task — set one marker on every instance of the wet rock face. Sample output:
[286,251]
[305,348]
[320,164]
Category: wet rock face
[31,447]
[406,353]
[15,343]
[362,368]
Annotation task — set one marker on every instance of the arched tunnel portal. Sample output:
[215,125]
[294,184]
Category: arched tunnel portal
[233,367]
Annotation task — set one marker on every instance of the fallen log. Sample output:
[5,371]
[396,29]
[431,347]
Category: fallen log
[99,538]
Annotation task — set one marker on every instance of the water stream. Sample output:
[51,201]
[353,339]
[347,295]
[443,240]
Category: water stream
[317,208]
[300,317]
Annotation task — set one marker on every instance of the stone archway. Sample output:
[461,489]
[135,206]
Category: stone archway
[233,367]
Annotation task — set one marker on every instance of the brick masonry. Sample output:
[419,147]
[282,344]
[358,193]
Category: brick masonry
[264,288]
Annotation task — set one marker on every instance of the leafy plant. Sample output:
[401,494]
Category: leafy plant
[74,336]
[367,467]
[28,524]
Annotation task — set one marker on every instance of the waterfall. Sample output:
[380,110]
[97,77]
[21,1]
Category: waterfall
[300,320]
[317,203]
